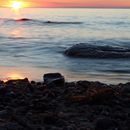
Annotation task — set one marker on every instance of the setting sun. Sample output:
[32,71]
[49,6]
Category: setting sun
[16,5]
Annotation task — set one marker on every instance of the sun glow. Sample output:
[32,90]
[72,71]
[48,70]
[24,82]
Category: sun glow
[16,5]
[15,76]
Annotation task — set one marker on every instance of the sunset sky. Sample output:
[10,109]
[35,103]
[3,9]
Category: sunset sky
[69,3]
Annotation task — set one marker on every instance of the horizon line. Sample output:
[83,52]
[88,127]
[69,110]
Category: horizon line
[78,7]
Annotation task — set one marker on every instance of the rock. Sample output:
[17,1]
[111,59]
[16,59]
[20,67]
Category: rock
[33,82]
[106,124]
[54,79]
[18,86]
[126,88]
[100,95]
[3,114]
[94,95]
[50,119]
[3,89]
[84,84]
[23,19]
[12,126]
[19,82]
[22,121]
[10,94]
[53,119]
[78,98]
[96,51]
[1,82]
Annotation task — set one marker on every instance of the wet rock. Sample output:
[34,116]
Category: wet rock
[106,124]
[96,51]
[54,79]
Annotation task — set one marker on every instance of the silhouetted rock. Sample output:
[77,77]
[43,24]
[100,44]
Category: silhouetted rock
[96,51]
[54,79]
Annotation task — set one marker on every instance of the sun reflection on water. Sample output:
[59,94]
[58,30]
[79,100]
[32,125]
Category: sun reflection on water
[17,32]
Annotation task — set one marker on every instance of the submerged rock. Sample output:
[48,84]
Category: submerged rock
[97,51]
[54,79]
[23,19]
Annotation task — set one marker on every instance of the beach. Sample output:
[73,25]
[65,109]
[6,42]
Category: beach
[55,104]
[77,65]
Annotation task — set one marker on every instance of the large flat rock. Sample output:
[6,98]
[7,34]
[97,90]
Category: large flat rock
[97,51]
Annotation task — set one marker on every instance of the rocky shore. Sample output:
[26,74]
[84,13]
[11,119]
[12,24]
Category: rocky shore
[58,105]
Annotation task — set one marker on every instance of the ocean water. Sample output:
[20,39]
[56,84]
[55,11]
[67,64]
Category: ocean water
[33,46]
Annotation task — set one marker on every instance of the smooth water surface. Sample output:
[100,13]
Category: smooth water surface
[36,45]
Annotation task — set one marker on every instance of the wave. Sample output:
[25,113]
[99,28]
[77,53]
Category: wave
[119,71]
[113,23]
[41,22]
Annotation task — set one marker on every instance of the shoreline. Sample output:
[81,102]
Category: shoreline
[36,74]
[55,104]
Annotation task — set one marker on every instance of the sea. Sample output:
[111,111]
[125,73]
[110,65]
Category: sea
[33,42]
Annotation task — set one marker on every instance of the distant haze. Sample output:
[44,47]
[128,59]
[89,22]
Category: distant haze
[72,3]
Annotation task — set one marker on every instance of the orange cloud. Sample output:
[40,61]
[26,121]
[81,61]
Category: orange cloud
[72,3]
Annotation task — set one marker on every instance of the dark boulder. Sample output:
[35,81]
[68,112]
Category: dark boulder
[97,51]
[54,79]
